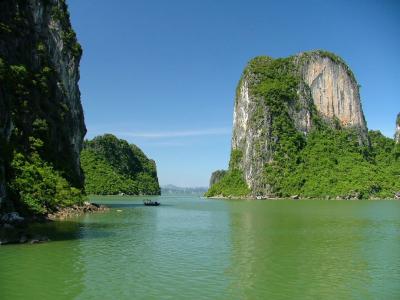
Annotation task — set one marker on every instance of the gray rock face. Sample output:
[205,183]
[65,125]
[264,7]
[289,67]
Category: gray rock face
[252,135]
[36,35]
[397,134]
[326,87]
[216,176]
[334,91]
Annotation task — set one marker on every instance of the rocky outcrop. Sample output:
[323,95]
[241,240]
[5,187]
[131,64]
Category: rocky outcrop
[334,89]
[280,97]
[216,176]
[112,166]
[15,229]
[397,134]
[252,140]
[40,103]
[77,210]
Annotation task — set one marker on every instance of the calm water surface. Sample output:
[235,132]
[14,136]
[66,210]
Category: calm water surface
[193,248]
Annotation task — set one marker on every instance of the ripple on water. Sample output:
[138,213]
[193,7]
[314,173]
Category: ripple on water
[202,249]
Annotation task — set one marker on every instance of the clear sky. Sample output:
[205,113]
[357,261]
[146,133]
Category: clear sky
[162,74]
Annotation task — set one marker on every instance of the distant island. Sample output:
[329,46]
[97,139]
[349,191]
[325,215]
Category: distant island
[171,189]
[112,166]
[299,131]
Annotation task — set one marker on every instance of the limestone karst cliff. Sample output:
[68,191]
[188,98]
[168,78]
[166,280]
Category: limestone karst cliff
[318,84]
[334,89]
[40,107]
[295,118]
[216,176]
[397,134]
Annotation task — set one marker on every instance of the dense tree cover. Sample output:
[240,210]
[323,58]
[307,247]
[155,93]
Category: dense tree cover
[39,187]
[332,164]
[34,185]
[231,183]
[217,176]
[112,166]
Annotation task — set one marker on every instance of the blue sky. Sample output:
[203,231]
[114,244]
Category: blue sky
[162,74]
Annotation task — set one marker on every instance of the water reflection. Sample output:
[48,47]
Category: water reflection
[381,249]
[44,271]
[191,248]
[287,250]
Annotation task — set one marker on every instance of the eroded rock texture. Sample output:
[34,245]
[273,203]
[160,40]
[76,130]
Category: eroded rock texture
[39,93]
[312,85]
[334,90]
[397,134]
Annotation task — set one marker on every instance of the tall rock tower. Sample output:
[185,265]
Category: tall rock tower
[279,96]
[39,92]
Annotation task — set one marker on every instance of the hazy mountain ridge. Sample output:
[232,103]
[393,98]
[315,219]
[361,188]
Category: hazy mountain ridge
[171,189]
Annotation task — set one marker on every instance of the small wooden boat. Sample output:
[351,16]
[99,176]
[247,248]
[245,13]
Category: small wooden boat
[151,203]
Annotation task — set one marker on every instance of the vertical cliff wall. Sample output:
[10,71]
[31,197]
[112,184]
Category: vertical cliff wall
[334,89]
[277,101]
[40,107]
[254,131]
[397,134]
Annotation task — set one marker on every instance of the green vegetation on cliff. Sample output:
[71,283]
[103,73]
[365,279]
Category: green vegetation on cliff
[216,176]
[277,85]
[39,179]
[332,164]
[41,120]
[39,187]
[328,161]
[232,182]
[112,166]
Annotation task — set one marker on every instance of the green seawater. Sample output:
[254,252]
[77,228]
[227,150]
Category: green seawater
[193,248]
